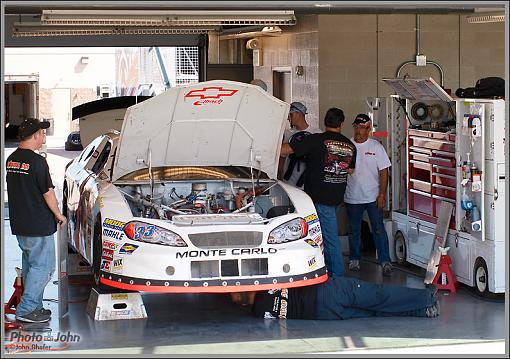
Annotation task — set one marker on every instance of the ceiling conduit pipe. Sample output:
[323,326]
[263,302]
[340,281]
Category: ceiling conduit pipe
[419,56]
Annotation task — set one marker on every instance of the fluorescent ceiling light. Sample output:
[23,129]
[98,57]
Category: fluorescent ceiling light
[37,30]
[166,18]
[483,18]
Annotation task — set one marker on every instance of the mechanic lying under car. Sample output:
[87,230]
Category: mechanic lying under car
[341,298]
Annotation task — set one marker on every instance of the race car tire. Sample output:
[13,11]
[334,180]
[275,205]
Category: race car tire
[97,248]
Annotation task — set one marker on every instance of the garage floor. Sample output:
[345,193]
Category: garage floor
[211,324]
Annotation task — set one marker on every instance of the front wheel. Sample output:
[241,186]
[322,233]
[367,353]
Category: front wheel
[97,248]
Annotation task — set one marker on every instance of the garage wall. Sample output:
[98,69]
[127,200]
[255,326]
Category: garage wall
[346,56]
[299,46]
[368,48]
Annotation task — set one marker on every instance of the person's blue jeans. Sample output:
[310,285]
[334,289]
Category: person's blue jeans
[375,215]
[332,248]
[344,298]
[38,265]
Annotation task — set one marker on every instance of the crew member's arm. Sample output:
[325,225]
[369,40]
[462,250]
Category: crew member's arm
[286,150]
[383,185]
[352,165]
[51,201]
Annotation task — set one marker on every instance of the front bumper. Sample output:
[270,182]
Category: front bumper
[213,285]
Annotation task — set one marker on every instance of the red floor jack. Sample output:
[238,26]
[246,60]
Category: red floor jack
[10,306]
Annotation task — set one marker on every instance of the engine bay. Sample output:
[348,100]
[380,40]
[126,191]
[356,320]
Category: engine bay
[178,200]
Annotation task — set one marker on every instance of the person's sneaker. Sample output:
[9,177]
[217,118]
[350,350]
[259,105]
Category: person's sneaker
[34,317]
[433,310]
[45,311]
[387,268]
[354,265]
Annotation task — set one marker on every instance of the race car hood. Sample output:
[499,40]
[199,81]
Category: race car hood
[213,123]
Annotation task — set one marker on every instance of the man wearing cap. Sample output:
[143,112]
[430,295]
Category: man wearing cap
[33,214]
[366,191]
[293,169]
[330,156]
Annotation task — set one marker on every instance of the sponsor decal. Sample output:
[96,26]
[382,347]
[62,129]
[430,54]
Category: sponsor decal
[118,265]
[311,243]
[210,95]
[223,252]
[109,245]
[110,233]
[119,296]
[311,219]
[107,254]
[318,240]
[312,263]
[128,248]
[114,224]
[123,312]
[369,153]
[105,265]
[314,230]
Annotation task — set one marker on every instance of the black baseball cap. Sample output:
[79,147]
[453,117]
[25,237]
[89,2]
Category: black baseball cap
[361,119]
[30,126]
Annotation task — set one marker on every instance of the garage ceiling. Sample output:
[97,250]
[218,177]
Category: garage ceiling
[178,23]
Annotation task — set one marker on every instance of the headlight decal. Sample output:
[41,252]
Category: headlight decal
[289,231]
[149,233]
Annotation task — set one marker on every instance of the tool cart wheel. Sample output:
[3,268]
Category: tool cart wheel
[400,248]
[481,277]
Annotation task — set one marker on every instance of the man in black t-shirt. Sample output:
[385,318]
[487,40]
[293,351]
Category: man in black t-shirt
[330,156]
[341,298]
[33,214]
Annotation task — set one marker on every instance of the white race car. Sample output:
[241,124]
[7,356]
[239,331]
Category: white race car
[185,197]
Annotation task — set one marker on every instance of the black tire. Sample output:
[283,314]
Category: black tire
[64,201]
[97,249]
[399,247]
[481,277]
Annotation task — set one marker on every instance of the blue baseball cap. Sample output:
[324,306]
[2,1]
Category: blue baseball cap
[298,107]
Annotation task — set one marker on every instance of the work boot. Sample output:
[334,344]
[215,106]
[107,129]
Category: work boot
[35,316]
[387,268]
[354,265]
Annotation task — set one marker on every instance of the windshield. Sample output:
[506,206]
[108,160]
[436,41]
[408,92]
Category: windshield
[176,173]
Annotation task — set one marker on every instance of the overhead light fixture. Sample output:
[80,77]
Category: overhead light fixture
[485,18]
[250,32]
[167,18]
[33,29]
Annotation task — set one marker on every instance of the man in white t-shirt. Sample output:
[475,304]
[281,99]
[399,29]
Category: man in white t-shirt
[366,191]
[293,169]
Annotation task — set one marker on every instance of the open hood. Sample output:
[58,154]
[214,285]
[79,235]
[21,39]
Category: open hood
[213,123]
[418,89]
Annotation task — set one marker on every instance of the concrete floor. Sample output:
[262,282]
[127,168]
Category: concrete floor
[211,324]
